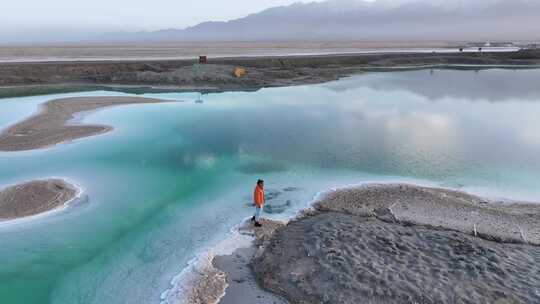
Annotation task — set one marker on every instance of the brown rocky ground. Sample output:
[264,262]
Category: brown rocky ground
[398,244]
[34,197]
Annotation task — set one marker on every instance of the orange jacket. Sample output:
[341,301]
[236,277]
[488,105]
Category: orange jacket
[258,196]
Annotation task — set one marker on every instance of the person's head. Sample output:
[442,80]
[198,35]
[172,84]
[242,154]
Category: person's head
[260,183]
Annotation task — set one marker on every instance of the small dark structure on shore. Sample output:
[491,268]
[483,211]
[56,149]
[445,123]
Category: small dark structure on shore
[203,59]
[200,98]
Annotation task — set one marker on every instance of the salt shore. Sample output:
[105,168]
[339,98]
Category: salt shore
[35,198]
[387,243]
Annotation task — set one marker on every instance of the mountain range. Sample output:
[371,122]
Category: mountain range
[382,20]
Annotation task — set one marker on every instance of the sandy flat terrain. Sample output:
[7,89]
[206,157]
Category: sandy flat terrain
[440,208]
[34,197]
[183,50]
[50,126]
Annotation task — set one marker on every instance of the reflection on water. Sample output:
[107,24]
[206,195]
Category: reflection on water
[382,123]
[435,84]
[174,178]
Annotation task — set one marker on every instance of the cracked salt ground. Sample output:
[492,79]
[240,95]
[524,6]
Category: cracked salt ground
[344,253]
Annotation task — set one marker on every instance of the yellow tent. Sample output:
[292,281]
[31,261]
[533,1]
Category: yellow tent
[239,72]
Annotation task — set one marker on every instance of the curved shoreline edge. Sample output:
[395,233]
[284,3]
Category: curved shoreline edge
[36,198]
[205,281]
[50,126]
[439,208]
[399,209]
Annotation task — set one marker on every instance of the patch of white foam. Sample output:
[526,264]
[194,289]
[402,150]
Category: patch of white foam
[33,218]
[502,196]
[183,284]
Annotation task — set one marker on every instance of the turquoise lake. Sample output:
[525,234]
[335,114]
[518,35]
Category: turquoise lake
[173,179]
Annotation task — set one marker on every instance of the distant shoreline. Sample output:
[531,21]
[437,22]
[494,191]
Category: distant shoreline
[17,79]
[297,53]
[171,50]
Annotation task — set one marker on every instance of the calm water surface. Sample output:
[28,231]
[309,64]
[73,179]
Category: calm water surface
[173,179]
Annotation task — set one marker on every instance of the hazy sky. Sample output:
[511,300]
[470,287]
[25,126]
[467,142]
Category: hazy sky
[29,15]
[35,21]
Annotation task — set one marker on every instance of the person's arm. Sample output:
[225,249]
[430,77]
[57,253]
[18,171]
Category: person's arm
[255,197]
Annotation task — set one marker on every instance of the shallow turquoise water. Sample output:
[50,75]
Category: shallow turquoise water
[173,179]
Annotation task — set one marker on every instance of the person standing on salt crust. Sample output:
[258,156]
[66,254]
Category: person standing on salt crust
[258,201]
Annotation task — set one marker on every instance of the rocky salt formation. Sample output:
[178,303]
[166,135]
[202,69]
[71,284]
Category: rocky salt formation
[404,244]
